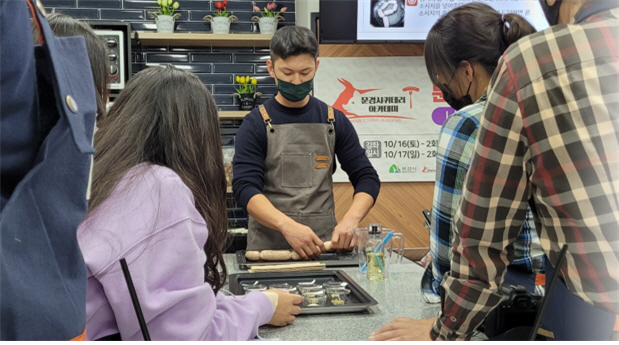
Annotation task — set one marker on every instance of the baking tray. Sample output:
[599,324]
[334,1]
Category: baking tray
[359,300]
[329,259]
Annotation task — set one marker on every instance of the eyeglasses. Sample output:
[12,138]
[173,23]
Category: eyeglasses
[446,86]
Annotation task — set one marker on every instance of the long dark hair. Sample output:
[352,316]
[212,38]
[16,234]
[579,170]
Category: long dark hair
[66,26]
[473,32]
[165,116]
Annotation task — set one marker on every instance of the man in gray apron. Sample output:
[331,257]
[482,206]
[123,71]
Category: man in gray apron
[285,157]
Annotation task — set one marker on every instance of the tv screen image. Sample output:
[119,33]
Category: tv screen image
[411,20]
[387,14]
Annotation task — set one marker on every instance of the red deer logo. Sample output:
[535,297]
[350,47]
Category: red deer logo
[347,95]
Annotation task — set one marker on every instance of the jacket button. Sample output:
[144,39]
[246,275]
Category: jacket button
[71,104]
[453,319]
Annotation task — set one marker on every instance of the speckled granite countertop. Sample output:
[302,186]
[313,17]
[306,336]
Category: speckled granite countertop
[398,296]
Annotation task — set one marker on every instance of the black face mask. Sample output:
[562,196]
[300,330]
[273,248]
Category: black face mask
[551,12]
[459,103]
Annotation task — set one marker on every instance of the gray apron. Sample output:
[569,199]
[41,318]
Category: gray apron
[298,179]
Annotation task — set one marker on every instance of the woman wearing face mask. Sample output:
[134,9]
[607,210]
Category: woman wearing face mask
[461,53]
[285,156]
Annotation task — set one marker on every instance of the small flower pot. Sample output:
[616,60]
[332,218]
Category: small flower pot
[220,25]
[165,23]
[268,25]
[247,101]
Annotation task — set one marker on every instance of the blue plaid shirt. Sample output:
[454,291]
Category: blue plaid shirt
[455,149]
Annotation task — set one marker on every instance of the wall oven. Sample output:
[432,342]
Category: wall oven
[117,37]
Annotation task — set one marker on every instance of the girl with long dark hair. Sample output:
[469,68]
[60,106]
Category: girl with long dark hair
[158,200]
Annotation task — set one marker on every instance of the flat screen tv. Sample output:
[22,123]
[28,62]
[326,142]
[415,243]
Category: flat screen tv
[403,21]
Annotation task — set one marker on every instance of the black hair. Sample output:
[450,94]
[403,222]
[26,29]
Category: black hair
[293,41]
[66,26]
[167,117]
[473,32]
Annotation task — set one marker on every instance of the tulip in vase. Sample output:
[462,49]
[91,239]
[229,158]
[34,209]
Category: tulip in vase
[166,15]
[246,92]
[269,17]
[220,20]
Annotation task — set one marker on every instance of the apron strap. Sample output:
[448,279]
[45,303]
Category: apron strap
[331,118]
[265,117]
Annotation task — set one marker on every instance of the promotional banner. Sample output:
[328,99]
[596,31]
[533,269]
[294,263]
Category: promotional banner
[395,109]
[410,20]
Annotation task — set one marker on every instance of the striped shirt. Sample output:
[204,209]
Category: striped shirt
[453,157]
[550,130]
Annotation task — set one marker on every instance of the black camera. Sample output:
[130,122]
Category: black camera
[519,308]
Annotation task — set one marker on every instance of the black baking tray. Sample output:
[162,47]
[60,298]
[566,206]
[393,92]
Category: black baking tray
[359,300]
[344,259]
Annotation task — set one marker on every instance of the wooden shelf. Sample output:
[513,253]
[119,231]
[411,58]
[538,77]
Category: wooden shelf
[201,39]
[233,115]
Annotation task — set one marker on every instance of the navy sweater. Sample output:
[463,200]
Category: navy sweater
[251,148]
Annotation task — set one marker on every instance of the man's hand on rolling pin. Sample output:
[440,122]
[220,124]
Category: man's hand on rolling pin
[303,240]
[342,237]
[404,328]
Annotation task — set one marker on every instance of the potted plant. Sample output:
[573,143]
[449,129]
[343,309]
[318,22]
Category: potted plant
[220,20]
[269,17]
[246,91]
[166,15]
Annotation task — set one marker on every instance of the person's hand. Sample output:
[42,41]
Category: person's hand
[426,260]
[342,237]
[404,328]
[303,240]
[287,308]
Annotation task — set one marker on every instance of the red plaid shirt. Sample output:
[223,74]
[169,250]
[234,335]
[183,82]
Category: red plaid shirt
[550,131]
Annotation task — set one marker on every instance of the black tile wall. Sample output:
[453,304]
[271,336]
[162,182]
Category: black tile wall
[123,14]
[198,15]
[261,68]
[140,4]
[211,58]
[118,4]
[233,68]
[191,49]
[60,3]
[167,57]
[260,58]
[217,67]
[79,13]
[224,100]
[236,50]
[192,11]
[192,26]
[215,78]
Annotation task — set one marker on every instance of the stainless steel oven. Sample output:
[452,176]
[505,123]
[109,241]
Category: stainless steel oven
[117,36]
